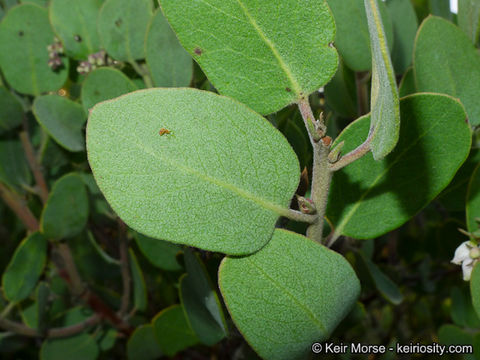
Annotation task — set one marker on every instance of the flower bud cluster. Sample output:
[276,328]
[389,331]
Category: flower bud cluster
[94,61]
[55,53]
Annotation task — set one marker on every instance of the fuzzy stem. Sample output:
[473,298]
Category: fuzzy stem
[144,73]
[18,206]
[296,215]
[352,155]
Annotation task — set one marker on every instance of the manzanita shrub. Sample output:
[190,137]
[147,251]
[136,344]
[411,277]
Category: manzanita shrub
[238,179]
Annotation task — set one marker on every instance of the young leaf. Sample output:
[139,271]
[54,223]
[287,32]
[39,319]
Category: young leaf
[405,26]
[14,170]
[264,54]
[172,330]
[11,112]
[434,142]
[219,180]
[63,119]
[352,39]
[469,18]
[144,342]
[25,33]
[200,302]
[122,25]
[66,211]
[78,347]
[290,294]
[169,63]
[139,287]
[445,61]
[75,22]
[105,84]
[162,254]
[385,110]
[24,270]
[473,201]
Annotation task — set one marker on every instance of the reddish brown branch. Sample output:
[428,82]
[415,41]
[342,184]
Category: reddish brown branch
[18,206]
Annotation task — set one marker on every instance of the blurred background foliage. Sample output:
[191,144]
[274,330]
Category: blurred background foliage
[78,284]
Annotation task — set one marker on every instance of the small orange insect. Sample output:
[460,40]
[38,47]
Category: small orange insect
[164,131]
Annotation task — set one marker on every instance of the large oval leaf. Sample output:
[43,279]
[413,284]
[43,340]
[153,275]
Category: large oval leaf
[144,342]
[265,54]
[370,198]
[25,34]
[75,22]
[63,119]
[170,65]
[290,294]
[122,25]
[218,180]
[469,18]
[105,84]
[79,347]
[473,201]
[385,111]
[66,211]
[24,270]
[352,38]
[442,48]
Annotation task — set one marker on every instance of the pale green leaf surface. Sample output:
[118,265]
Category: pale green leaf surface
[405,26]
[122,25]
[22,273]
[473,200]
[370,198]
[105,84]
[144,342]
[200,302]
[139,287]
[469,18]
[291,293]
[66,211]
[25,33]
[14,170]
[475,288]
[162,254]
[11,111]
[170,65]
[172,330]
[78,347]
[384,104]
[218,181]
[266,54]
[442,48]
[407,84]
[75,22]
[352,39]
[63,119]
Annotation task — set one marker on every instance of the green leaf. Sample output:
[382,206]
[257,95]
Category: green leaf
[143,342]
[11,111]
[66,211]
[445,61]
[407,85]
[473,201]
[441,8]
[63,119]
[172,330]
[200,302]
[218,181]
[264,54]
[385,108]
[453,335]
[382,282]
[469,18]
[162,254]
[14,170]
[405,26]
[25,33]
[434,142]
[78,347]
[75,22]
[352,38]
[139,287]
[170,65]
[291,293]
[105,84]
[107,258]
[122,25]
[24,270]
[340,92]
